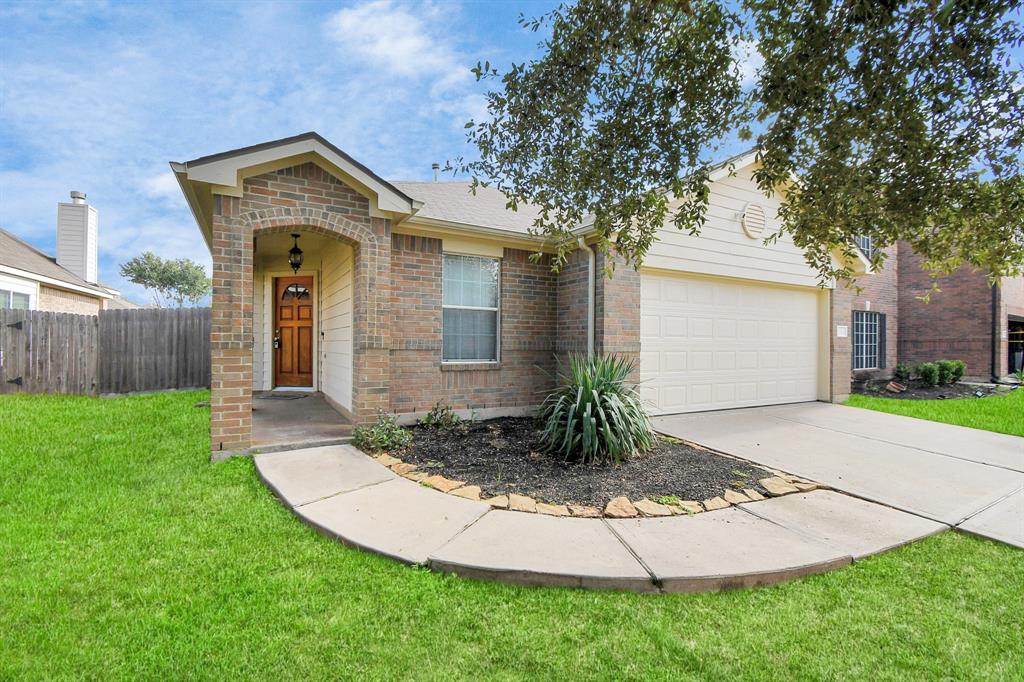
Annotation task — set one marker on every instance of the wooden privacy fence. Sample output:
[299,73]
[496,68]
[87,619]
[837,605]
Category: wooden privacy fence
[118,351]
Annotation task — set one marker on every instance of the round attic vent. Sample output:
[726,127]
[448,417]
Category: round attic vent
[754,220]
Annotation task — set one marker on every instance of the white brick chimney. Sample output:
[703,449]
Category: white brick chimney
[78,237]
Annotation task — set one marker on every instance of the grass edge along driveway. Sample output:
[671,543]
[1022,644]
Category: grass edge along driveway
[125,554]
[999,413]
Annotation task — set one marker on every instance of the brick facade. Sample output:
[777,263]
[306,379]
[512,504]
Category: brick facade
[956,323]
[878,292]
[61,301]
[527,327]
[304,198]
[617,310]
[571,304]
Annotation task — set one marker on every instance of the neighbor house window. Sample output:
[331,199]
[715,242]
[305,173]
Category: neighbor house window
[470,309]
[865,246]
[14,300]
[868,340]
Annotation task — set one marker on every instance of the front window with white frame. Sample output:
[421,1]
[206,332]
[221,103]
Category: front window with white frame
[470,308]
[867,336]
[15,300]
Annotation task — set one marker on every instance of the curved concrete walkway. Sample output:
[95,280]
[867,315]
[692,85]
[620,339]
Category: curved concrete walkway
[346,495]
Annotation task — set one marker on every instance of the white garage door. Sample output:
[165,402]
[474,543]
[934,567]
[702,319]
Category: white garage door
[712,344]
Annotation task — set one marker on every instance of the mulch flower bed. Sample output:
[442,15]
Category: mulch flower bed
[918,390]
[500,461]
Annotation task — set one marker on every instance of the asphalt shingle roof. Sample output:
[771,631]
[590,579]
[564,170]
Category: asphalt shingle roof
[15,253]
[453,202]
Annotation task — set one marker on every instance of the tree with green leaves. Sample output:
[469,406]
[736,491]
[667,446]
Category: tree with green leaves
[170,281]
[892,120]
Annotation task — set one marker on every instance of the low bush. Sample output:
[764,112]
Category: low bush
[928,373]
[902,372]
[442,417]
[959,366]
[945,372]
[596,414]
[382,436]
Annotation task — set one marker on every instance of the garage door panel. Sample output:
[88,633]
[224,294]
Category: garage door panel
[715,344]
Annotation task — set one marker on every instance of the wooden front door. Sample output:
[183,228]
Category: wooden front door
[293,331]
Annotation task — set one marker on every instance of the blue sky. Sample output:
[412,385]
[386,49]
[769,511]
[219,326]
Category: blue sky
[99,97]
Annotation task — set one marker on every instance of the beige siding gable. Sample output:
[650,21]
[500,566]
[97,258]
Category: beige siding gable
[723,248]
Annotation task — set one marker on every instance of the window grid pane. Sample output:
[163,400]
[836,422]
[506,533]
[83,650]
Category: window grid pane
[470,308]
[19,301]
[470,281]
[865,245]
[5,299]
[865,340]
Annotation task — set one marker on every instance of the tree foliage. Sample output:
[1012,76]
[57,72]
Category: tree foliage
[894,120]
[170,281]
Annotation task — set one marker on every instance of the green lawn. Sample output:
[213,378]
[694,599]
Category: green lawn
[1001,413]
[125,554]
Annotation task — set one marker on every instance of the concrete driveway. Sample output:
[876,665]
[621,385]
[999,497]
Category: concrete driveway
[962,477]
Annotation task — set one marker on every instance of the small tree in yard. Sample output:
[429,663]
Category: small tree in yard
[170,281]
[899,120]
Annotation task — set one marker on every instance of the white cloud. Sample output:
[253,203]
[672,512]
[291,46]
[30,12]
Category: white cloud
[749,61]
[103,110]
[162,185]
[384,34]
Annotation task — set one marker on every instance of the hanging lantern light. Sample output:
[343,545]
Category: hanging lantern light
[295,255]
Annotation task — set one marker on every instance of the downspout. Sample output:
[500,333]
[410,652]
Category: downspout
[591,285]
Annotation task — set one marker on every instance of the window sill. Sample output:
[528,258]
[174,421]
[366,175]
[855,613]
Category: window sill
[470,366]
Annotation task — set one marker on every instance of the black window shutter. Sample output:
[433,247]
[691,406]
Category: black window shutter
[881,340]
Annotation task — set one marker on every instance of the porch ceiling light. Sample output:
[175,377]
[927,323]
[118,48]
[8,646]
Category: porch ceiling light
[295,255]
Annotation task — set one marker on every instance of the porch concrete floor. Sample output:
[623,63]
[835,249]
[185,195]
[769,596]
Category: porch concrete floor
[284,420]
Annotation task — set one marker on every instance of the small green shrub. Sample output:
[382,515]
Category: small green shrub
[929,373]
[902,373]
[595,415]
[441,417]
[945,372]
[959,366]
[384,435]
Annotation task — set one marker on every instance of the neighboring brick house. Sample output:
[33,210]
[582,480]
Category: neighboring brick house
[964,318]
[411,293]
[33,280]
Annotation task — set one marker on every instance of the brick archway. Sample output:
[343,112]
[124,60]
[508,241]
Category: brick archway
[231,338]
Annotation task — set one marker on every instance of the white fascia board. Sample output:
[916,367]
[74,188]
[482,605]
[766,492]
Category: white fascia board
[181,175]
[56,283]
[227,173]
[725,170]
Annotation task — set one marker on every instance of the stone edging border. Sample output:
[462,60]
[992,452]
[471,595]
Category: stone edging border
[619,508]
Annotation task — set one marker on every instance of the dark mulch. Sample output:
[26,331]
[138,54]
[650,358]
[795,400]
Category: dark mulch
[502,456]
[916,390]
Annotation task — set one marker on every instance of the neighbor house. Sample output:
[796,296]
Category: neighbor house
[33,280]
[964,319]
[409,293]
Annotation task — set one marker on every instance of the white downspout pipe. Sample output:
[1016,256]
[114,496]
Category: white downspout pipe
[591,286]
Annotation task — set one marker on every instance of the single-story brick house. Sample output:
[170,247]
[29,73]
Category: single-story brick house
[411,293]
